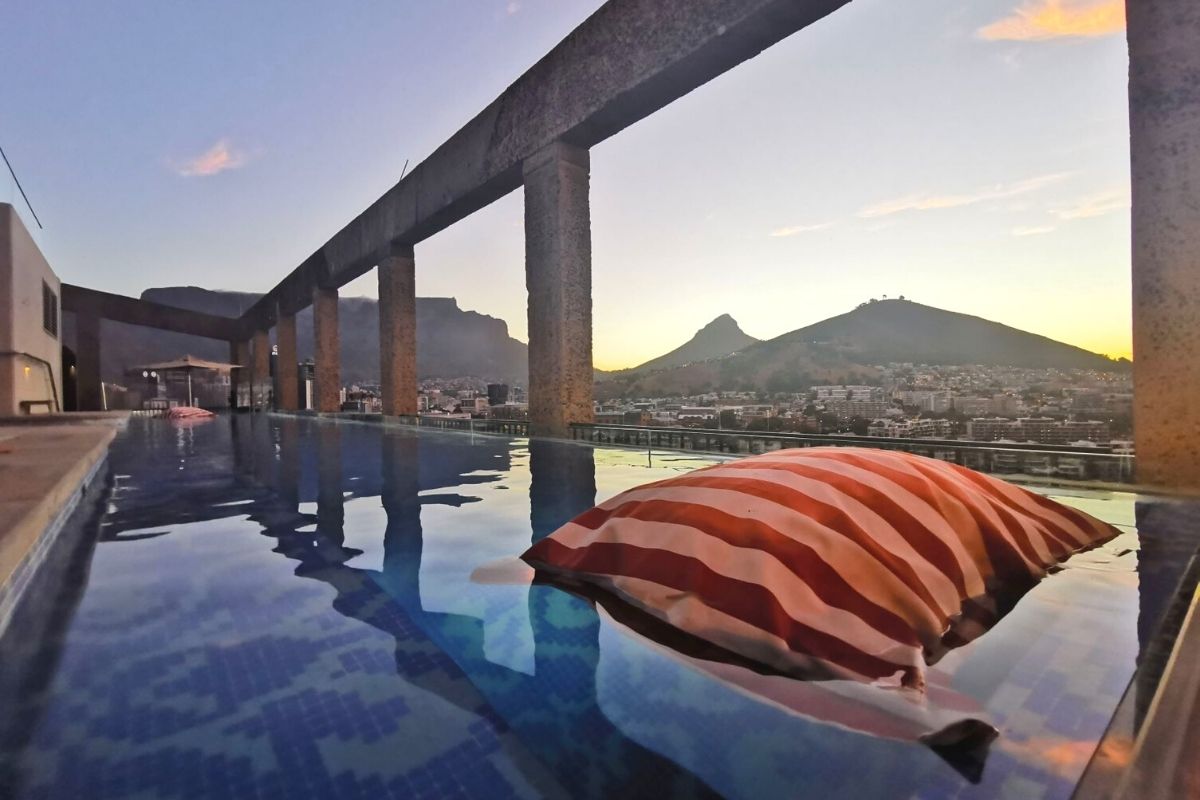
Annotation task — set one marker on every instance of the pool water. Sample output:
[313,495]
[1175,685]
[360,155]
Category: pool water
[277,607]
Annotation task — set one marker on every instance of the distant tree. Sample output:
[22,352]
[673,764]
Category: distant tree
[769,424]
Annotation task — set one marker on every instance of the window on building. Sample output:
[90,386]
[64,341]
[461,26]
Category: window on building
[49,310]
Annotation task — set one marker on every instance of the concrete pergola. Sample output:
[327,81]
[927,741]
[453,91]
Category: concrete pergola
[630,59]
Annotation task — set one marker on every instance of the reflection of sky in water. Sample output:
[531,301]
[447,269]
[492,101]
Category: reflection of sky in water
[293,612]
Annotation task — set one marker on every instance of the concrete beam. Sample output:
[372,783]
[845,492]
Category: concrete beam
[1164,128]
[398,333]
[626,61]
[133,311]
[327,350]
[558,275]
[287,372]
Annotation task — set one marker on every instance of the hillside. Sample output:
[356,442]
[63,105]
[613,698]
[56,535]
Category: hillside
[900,330]
[847,348]
[451,342]
[718,338]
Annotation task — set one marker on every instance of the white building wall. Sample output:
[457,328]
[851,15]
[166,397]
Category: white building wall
[30,356]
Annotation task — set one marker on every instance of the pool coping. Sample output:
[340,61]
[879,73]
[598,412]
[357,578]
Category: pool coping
[1168,743]
[54,461]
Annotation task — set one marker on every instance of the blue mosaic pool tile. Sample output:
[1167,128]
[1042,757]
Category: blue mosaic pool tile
[242,652]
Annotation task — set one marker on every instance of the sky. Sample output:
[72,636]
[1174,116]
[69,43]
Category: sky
[970,156]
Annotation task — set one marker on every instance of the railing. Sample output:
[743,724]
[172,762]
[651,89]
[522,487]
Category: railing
[507,427]
[1055,462]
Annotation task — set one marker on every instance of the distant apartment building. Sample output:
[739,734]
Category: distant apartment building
[1087,431]
[634,417]
[1043,430]
[1005,405]
[750,413]
[868,409]
[931,402]
[1087,400]
[973,405]
[696,414]
[474,405]
[833,393]
[497,394]
[910,429]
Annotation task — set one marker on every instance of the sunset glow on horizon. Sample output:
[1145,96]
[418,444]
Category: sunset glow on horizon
[972,157]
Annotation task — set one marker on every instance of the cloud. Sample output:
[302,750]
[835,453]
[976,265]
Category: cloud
[1096,205]
[512,8]
[1033,230]
[933,202]
[217,158]
[797,229]
[1039,20]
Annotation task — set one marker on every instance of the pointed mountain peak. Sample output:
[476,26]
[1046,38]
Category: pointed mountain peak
[718,338]
[723,322]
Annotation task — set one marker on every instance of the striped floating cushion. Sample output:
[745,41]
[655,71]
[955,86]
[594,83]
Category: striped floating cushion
[822,562]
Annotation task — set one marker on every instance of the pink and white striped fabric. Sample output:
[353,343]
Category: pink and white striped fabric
[822,562]
[188,412]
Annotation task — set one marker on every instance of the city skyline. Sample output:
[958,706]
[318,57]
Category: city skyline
[973,159]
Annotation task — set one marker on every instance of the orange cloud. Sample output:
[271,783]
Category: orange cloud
[932,202]
[1039,20]
[1032,230]
[1096,205]
[217,158]
[797,229]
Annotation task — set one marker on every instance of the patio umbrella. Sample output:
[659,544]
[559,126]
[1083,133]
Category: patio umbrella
[189,364]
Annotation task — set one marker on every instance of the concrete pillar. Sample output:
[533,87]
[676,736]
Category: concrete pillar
[327,357]
[287,377]
[1164,128]
[558,276]
[89,393]
[260,369]
[239,379]
[398,333]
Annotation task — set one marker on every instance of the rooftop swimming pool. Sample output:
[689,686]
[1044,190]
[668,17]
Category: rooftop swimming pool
[277,607]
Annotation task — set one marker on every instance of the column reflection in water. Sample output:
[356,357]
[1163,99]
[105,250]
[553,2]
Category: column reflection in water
[1168,535]
[554,712]
[562,484]
[289,461]
[262,431]
[330,503]
[402,503]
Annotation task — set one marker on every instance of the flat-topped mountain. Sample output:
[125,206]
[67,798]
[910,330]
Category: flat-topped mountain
[451,342]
